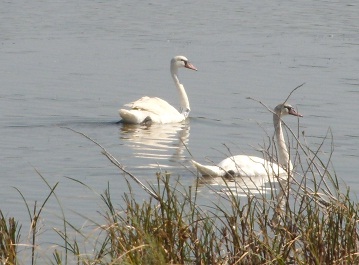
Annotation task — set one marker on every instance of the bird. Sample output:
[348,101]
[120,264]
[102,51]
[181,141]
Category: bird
[252,166]
[155,110]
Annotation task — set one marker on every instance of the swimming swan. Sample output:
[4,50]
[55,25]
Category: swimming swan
[156,110]
[251,166]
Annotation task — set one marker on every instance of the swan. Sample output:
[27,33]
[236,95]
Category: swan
[156,110]
[252,166]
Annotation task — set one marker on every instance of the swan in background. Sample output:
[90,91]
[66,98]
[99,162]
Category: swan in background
[251,166]
[156,110]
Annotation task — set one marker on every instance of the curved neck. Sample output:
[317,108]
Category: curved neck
[184,103]
[283,155]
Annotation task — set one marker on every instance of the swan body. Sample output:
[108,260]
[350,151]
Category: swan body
[241,165]
[252,166]
[156,110]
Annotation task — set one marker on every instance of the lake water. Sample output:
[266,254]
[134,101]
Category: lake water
[75,63]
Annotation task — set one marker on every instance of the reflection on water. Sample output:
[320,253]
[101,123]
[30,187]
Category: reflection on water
[159,143]
[264,188]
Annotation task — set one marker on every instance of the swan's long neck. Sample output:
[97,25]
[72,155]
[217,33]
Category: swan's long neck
[283,155]
[184,103]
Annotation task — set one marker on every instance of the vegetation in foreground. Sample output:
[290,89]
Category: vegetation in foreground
[307,219]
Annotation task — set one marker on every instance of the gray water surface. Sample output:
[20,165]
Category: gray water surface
[75,63]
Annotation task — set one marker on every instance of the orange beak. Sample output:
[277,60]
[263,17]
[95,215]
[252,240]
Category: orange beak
[190,66]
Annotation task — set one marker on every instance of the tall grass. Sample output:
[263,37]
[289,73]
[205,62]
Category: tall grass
[307,218]
[9,236]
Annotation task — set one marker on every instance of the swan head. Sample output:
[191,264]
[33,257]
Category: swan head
[181,61]
[286,109]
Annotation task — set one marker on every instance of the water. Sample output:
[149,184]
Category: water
[75,63]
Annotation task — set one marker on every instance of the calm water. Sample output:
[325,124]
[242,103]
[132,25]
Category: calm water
[75,63]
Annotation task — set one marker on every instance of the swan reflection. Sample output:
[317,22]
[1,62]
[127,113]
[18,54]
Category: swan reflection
[159,143]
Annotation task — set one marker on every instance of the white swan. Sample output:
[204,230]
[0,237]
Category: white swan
[252,166]
[156,110]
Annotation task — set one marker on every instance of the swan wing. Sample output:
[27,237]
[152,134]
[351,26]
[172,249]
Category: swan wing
[250,166]
[152,104]
[159,110]
[206,170]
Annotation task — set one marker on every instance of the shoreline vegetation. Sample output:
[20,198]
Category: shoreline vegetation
[307,218]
